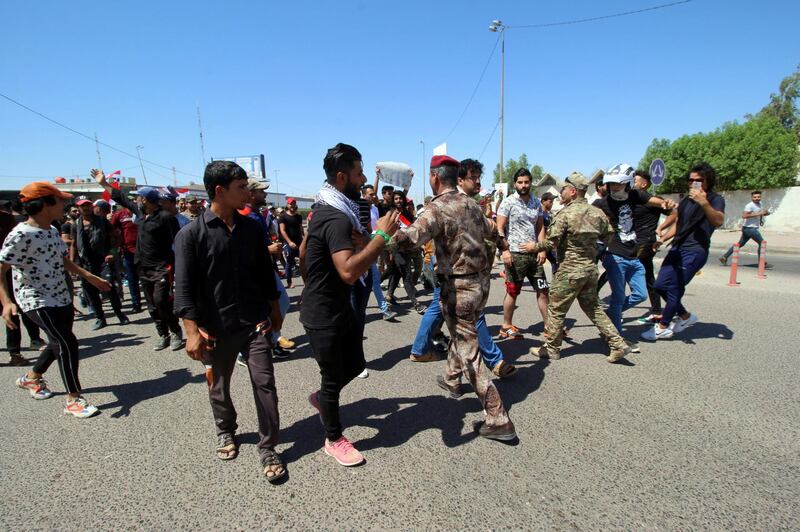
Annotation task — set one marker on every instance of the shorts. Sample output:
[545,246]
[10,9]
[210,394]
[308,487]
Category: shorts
[524,266]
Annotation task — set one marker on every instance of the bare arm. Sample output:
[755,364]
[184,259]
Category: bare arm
[96,281]
[9,308]
[351,265]
[289,241]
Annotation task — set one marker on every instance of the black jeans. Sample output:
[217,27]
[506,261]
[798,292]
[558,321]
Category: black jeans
[646,255]
[258,350]
[157,287]
[340,355]
[403,264]
[93,293]
[14,336]
[56,322]
[291,254]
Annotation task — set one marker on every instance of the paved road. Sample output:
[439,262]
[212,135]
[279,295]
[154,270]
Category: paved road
[699,432]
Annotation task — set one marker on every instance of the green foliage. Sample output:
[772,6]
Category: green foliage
[512,166]
[760,153]
[783,105]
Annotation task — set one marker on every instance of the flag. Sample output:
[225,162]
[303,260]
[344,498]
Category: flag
[404,223]
[106,195]
[441,149]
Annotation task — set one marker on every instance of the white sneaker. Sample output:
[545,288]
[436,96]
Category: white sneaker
[682,325]
[656,333]
[364,374]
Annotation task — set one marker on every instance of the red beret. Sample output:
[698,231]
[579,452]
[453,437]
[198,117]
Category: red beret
[443,160]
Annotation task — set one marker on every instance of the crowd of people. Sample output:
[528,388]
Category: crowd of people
[213,276]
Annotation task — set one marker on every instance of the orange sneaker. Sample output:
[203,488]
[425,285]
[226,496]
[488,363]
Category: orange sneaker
[510,331]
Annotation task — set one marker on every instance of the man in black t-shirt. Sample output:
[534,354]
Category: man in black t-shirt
[333,261]
[291,228]
[620,260]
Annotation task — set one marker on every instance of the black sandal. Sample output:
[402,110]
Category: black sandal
[226,447]
[269,460]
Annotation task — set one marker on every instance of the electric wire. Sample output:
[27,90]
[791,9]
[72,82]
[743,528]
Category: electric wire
[603,17]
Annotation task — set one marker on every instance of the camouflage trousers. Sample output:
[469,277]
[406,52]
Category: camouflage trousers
[567,286]
[462,300]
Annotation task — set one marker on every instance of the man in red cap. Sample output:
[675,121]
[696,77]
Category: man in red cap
[291,227]
[36,255]
[458,228]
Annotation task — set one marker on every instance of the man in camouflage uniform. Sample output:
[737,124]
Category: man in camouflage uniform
[573,234]
[458,228]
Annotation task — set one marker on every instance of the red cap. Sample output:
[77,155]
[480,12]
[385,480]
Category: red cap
[83,202]
[40,189]
[443,160]
[291,200]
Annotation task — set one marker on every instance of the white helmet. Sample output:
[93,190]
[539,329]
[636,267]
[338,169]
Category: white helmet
[620,173]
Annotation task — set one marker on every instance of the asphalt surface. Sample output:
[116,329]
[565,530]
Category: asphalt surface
[700,432]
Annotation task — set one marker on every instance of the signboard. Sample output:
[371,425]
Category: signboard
[254,165]
[658,171]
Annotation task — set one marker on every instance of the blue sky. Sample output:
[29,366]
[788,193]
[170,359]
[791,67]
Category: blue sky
[290,79]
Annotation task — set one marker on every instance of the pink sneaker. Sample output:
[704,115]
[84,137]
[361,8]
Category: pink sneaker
[343,452]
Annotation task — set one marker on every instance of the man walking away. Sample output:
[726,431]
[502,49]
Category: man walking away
[291,227]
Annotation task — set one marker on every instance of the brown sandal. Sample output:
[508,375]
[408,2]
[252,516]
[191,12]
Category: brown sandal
[226,447]
[274,469]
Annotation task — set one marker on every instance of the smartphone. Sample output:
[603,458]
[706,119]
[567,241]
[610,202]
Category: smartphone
[697,184]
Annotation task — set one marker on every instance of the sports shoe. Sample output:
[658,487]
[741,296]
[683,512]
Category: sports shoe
[18,360]
[37,344]
[285,343]
[657,333]
[617,355]
[98,324]
[504,432]
[36,387]
[279,353]
[123,319]
[364,374]
[343,452]
[682,325]
[723,261]
[504,369]
[176,342]
[542,352]
[161,343]
[650,318]
[80,408]
[441,342]
[421,309]
[389,315]
[241,360]
[427,357]
[510,331]
[452,392]
[633,345]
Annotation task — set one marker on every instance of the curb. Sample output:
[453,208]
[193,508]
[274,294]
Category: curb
[781,250]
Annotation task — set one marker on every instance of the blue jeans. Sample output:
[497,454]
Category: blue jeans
[622,271]
[283,304]
[376,288]
[748,233]
[132,275]
[433,319]
[678,268]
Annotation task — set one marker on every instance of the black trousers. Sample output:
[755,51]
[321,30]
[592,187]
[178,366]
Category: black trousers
[95,300]
[340,355]
[14,336]
[56,322]
[646,255]
[157,287]
[258,350]
[403,264]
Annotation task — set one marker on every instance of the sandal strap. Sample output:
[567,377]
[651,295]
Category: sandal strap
[271,458]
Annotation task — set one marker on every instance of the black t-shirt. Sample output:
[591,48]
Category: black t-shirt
[620,214]
[293,226]
[326,298]
[693,231]
[646,218]
[383,208]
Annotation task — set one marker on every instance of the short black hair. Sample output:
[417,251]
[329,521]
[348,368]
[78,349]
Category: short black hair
[386,188]
[707,172]
[468,165]
[221,173]
[522,172]
[753,193]
[340,158]
[548,196]
[447,174]
[644,174]
[365,187]
[400,193]
[34,207]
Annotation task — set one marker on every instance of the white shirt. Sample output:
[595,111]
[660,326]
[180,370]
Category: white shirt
[755,221]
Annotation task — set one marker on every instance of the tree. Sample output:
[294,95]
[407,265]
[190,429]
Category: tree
[783,105]
[512,166]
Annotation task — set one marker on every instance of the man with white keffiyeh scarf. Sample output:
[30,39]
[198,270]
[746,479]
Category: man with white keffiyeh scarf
[336,254]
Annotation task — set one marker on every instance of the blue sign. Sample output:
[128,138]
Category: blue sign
[658,171]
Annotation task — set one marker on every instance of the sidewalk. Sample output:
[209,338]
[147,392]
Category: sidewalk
[777,242]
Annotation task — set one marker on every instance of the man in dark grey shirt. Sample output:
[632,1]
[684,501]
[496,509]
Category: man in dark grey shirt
[226,294]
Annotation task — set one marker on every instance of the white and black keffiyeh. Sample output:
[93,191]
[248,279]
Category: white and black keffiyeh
[329,195]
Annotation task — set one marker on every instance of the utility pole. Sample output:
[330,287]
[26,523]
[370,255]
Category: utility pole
[276,181]
[174,177]
[97,147]
[139,153]
[498,26]
[200,127]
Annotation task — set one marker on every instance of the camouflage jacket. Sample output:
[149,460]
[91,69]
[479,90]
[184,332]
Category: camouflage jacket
[458,227]
[573,233]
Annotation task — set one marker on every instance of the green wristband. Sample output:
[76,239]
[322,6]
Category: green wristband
[386,237]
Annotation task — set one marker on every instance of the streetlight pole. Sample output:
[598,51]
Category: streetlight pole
[499,26]
[276,181]
[423,176]
[139,153]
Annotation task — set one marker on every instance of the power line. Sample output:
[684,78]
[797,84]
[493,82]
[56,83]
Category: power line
[475,90]
[93,139]
[603,17]
[490,140]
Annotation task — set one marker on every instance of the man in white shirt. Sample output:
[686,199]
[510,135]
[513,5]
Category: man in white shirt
[753,217]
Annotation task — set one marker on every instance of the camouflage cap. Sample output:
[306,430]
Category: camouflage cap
[577,180]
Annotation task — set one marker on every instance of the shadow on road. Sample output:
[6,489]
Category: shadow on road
[131,394]
[97,345]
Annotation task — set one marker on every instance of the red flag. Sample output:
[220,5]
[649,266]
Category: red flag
[106,195]
[112,174]
[404,221]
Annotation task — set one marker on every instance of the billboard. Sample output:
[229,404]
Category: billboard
[254,165]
